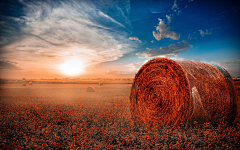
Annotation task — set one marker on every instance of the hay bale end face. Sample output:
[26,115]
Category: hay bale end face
[174,92]
[100,84]
[91,89]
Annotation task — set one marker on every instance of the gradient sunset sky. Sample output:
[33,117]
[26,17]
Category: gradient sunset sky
[112,39]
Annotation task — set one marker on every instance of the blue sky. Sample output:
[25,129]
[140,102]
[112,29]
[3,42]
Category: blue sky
[111,38]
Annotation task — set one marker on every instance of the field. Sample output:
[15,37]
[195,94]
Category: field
[65,116]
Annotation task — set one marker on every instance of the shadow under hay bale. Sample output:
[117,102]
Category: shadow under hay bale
[174,92]
[100,84]
[91,89]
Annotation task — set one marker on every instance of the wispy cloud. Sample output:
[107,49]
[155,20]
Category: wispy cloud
[135,38]
[169,18]
[109,71]
[172,49]
[71,28]
[6,64]
[231,62]
[110,18]
[155,11]
[204,33]
[189,37]
[163,31]
[217,63]
[175,6]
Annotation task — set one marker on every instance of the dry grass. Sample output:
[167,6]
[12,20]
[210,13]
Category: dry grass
[68,117]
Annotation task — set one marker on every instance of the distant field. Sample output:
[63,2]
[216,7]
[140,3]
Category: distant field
[68,81]
[65,116]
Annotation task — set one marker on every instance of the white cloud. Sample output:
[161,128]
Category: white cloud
[204,33]
[6,64]
[134,65]
[72,29]
[172,49]
[135,38]
[163,31]
[152,41]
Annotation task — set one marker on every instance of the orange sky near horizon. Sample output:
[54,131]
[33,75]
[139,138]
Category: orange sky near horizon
[68,69]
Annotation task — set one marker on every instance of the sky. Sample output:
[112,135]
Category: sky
[113,39]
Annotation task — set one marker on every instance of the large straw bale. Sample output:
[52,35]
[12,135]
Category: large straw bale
[171,92]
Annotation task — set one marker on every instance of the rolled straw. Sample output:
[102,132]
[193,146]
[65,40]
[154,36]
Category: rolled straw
[171,92]
[91,89]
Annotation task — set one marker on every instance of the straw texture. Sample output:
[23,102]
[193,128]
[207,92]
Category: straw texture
[171,92]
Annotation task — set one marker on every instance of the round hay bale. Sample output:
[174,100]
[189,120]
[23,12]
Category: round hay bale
[24,79]
[30,83]
[100,84]
[174,92]
[91,89]
[24,84]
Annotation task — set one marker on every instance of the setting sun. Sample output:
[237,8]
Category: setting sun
[72,67]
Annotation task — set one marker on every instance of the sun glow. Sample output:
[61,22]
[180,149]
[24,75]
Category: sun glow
[72,67]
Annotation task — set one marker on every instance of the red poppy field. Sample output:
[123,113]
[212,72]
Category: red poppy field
[66,116]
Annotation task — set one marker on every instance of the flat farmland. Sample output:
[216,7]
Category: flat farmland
[66,116]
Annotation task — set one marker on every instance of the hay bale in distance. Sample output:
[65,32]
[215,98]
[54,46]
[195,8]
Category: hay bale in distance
[30,83]
[171,92]
[24,84]
[91,89]
[100,84]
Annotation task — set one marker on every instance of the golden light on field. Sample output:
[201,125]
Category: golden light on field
[72,67]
